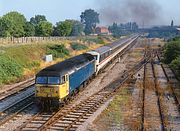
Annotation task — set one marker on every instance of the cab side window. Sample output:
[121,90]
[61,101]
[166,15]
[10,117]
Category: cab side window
[67,78]
[63,79]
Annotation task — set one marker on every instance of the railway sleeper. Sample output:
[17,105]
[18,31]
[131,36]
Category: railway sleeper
[80,111]
[67,121]
[78,123]
[56,128]
[72,129]
[42,119]
[72,116]
[75,113]
[61,124]
[29,129]
[89,114]
[38,122]
[89,106]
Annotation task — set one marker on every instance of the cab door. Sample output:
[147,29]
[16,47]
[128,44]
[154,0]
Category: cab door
[67,83]
[64,87]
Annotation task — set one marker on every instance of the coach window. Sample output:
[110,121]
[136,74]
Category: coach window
[63,79]
[107,54]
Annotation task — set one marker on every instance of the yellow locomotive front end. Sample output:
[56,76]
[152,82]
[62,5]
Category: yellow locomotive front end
[50,91]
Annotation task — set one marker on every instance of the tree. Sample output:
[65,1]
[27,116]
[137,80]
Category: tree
[172,51]
[12,24]
[5,29]
[63,28]
[29,29]
[77,28]
[175,64]
[44,28]
[37,19]
[134,26]
[115,30]
[90,18]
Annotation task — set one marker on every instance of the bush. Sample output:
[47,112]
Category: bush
[98,40]
[58,51]
[77,46]
[172,51]
[175,65]
[9,69]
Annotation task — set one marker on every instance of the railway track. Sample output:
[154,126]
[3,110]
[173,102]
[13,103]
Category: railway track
[12,111]
[151,90]
[169,83]
[143,98]
[16,89]
[68,117]
[154,97]
[159,103]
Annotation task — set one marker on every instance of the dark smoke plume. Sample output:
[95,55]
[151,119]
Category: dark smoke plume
[140,11]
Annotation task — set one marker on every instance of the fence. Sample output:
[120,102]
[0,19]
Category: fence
[12,40]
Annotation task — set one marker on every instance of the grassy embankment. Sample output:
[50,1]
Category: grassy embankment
[18,62]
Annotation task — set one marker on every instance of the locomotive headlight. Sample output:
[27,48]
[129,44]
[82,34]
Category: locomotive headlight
[56,90]
[37,90]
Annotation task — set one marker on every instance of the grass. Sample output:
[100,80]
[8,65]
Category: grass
[113,113]
[27,59]
[20,59]
[78,46]
[97,40]
[9,69]
[26,55]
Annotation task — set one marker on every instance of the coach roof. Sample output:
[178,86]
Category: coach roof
[102,49]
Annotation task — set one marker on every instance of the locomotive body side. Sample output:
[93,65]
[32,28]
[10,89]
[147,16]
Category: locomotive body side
[81,75]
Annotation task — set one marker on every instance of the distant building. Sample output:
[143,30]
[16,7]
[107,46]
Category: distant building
[102,31]
[178,30]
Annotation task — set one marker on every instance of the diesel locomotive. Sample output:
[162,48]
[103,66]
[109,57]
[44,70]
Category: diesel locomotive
[55,84]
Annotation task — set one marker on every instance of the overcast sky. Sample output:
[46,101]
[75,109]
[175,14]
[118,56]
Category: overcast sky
[59,10]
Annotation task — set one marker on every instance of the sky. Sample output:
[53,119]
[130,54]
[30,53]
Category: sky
[59,10]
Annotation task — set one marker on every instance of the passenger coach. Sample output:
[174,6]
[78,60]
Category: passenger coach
[105,54]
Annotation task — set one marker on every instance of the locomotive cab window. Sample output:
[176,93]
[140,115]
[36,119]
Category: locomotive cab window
[95,57]
[67,78]
[48,80]
[41,80]
[53,80]
[63,79]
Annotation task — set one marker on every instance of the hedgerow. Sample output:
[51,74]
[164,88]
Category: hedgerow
[9,69]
